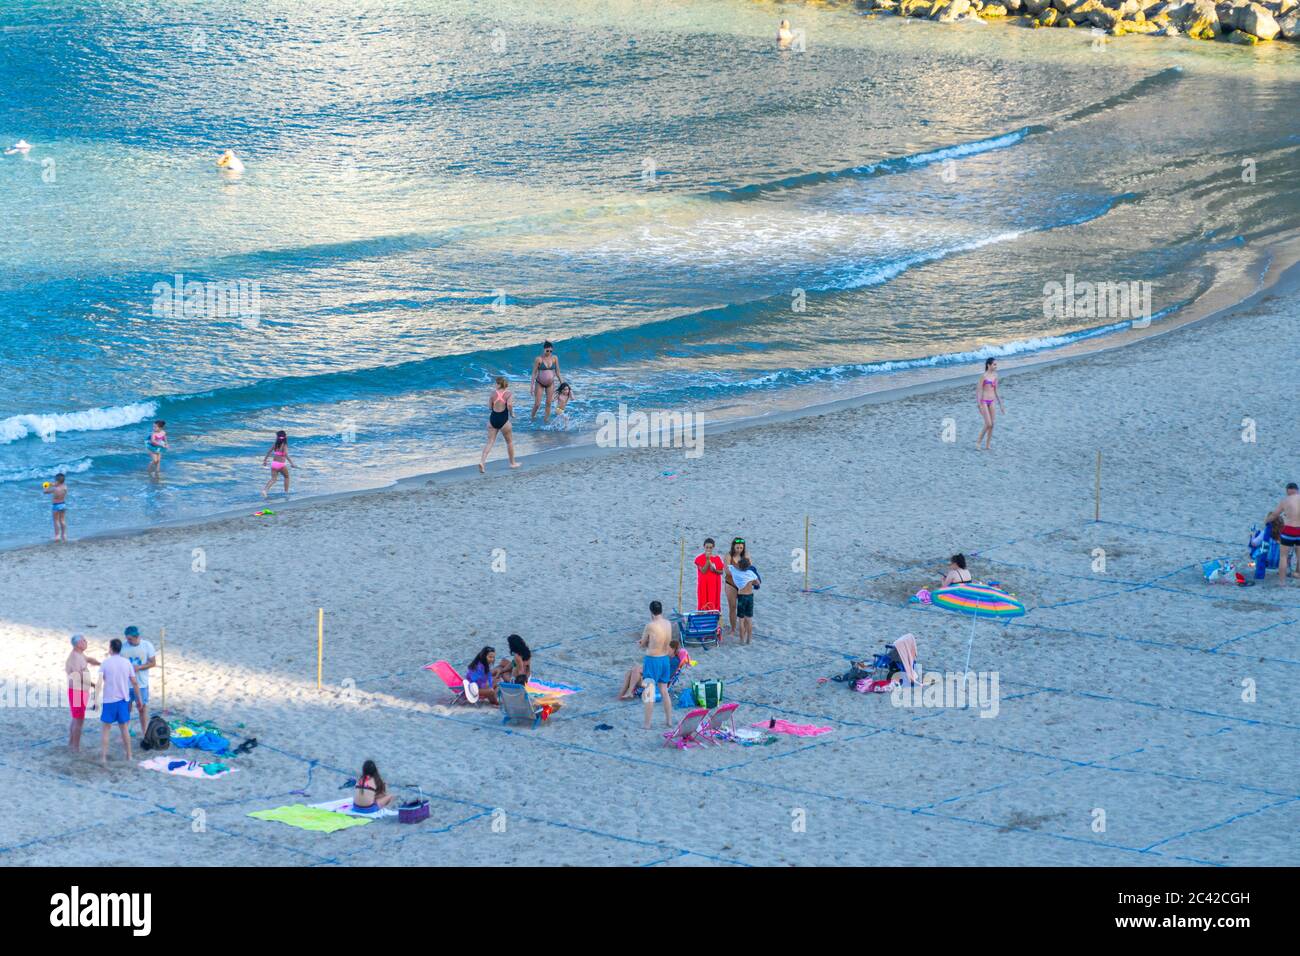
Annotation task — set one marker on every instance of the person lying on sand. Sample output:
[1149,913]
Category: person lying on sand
[371,794]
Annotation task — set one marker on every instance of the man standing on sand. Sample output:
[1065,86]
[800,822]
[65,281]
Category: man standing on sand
[1289,511]
[79,684]
[657,665]
[708,585]
[119,680]
[141,654]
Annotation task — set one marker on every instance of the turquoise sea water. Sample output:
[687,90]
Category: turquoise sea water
[699,220]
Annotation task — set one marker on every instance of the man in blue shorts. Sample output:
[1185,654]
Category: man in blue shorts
[118,677]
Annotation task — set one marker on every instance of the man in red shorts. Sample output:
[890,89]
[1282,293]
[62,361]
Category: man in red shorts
[79,685]
[1289,511]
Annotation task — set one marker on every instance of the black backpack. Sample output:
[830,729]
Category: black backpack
[157,736]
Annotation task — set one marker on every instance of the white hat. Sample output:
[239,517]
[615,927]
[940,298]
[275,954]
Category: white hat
[471,692]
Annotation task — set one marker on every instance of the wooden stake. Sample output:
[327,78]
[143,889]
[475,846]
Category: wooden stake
[162,665]
[807,559]
[1096,511]
[320,643]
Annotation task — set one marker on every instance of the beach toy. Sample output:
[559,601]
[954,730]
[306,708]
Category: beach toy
[45,484]
[263,513]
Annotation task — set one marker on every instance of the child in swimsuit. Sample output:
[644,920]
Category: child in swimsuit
[58,493]
[563,395]
[280,462]
[500,411]
[155,446]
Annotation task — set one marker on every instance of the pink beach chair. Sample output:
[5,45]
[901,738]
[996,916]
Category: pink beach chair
[455,683]
[720,726]
[686,733]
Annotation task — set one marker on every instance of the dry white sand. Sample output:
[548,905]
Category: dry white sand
[1124,692]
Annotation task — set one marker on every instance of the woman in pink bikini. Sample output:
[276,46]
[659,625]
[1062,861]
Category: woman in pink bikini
[280,461]
[987,393]
[501,408]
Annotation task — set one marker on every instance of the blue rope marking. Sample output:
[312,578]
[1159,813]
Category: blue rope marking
[1258,630]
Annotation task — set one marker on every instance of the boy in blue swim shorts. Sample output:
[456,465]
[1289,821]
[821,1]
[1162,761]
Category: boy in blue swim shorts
[118,676]
[657,665]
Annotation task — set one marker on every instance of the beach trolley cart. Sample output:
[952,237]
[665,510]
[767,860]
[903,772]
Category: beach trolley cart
[700,628]
[413,811]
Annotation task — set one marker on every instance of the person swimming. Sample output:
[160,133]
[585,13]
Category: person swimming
[280,462]
[230,162]
[501,408]
[22,146]
[546,375]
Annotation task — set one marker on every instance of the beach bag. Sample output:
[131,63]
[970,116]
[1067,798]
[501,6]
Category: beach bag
[157,736]
[708,693]
[686,698]
[413,811]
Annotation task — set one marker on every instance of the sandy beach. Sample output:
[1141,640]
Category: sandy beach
[1145,717]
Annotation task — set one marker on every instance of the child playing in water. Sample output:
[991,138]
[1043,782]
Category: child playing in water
[156,445]
[280,462]
[58,505]
[562,399]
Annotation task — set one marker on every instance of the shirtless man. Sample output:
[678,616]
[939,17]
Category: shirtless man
[1289,509]
[58,493]
[784,35]
[657,665]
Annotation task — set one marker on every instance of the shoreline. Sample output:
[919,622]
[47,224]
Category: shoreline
[1275,269]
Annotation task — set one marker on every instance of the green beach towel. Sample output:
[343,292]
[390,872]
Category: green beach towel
[309,818]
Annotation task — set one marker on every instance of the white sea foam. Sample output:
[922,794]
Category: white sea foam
[47,426]
[47,472]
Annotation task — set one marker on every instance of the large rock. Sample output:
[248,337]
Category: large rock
[1048,17]
[1035,7]
[1013,6]
[1290,26]
[1255,20]
[1197,19]
[993,10]
[950,10]
[915,8]
[1283,7]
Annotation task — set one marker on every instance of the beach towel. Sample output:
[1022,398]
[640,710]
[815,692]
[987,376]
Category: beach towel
[183,768]
[752,738]
[545,688]
[316,819]
[795,730]
[906,647]
[345,807]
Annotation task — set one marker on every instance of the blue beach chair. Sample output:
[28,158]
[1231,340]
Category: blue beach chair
[517,705]
[700,628]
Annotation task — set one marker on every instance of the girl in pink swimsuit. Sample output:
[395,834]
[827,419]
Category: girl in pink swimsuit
[987,393]
[280,461]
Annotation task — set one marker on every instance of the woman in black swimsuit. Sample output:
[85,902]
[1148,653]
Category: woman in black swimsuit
[501,407]
[957,573]
[546,378]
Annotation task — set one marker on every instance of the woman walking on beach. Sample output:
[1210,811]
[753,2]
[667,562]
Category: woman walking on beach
[546,377]
[987,393]
[280,461]
[501,408]
[156,445]
[733,556]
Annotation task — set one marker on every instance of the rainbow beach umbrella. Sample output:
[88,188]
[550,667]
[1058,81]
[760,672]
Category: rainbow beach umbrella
[977,600]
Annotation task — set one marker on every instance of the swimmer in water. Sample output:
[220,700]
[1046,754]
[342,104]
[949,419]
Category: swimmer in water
[155,446]
[230,162]
[546,375]
[280,461]
[22,146]
[563,395]
[501,408]
[784,35]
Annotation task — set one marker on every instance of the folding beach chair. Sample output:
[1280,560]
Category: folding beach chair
[685,734]
[517,705]
[639,691]
[700,628]
[720,726]
[455,683]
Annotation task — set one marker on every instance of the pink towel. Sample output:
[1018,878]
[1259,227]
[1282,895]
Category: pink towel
[906,647]
[797,730]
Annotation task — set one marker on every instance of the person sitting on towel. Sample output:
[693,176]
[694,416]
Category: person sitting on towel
[372,793]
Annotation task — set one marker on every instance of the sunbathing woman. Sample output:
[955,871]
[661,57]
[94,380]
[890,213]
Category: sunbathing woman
[480,672]
[372,793]
[957,573]
[519,666]
[546,376]
[987,392]
[501,408]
